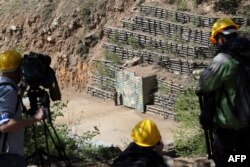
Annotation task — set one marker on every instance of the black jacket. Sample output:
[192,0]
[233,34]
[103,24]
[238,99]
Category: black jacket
[137,156]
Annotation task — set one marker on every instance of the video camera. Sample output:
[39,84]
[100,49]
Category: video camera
[37,75]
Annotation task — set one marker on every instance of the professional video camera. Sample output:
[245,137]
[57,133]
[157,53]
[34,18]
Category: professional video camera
[37,75]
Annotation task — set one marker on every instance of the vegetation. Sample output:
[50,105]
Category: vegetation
[132,41]
[163,89]
[176,36]
[86,9]
[77,147]
[83,49]
[227,6]
[189,138]
[113,57]
[247,11]
[100,69]
[115,38]
[181,5]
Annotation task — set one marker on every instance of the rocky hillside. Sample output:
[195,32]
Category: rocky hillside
[72,31]
[68,31]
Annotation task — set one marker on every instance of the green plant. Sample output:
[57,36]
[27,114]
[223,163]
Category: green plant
[113,57]
[181,5]
[195,3]
[173,18]
[247,11]
[86,9]
[125,24]
[227,6]
[187,146]
[196,20]
[39,129]
[132,41]
[83,50]
[189,138]
[101,69]
[176,36]
[84,141]
[163,90]
[77,147]
[85,12]
[93,153]
[115,39]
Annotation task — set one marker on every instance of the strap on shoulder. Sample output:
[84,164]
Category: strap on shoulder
[10,84]
[5,135]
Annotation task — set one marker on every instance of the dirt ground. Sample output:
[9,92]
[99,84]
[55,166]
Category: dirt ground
[84,111]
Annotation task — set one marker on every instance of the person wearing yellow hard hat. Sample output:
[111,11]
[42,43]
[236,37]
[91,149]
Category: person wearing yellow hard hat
[146,148]
[220,87]
[11,122]
[222,30]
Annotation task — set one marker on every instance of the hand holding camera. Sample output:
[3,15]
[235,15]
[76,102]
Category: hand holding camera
[40,114]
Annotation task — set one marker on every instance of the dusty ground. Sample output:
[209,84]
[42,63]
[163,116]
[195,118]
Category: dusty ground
[83,112]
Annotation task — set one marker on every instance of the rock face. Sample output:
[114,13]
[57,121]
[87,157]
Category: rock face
[65,30]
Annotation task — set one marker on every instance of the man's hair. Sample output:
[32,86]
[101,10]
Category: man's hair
[226,37]
[226,34]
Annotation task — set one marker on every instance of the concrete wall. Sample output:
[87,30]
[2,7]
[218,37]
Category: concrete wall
[134,91]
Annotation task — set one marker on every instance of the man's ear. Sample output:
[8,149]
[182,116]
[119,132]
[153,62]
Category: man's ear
[220,40]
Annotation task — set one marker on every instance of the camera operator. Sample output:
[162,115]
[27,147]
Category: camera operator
[11,123]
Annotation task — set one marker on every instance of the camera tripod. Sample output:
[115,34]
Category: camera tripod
[38,97]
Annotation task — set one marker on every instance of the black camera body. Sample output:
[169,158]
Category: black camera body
[37,75]
[36,71]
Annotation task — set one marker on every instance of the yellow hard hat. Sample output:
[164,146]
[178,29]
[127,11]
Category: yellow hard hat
[10,60]
[146,133]
[220,25]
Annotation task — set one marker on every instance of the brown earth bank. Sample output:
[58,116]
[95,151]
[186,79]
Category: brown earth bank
[71,32]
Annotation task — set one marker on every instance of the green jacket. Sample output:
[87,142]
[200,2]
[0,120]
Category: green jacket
[222,73]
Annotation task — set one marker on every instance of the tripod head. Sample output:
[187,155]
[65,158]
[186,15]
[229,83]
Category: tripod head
[39,97]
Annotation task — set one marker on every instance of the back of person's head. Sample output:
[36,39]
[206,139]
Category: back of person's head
[146,133]
[239,48]
[10,60]
[223,29]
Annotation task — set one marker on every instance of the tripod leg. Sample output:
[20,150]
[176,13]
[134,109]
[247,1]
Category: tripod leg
[211,139]
[59,147]
[208,144]
[46,141]
[37,152]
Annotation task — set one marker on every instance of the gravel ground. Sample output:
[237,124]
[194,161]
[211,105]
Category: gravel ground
[84,111]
